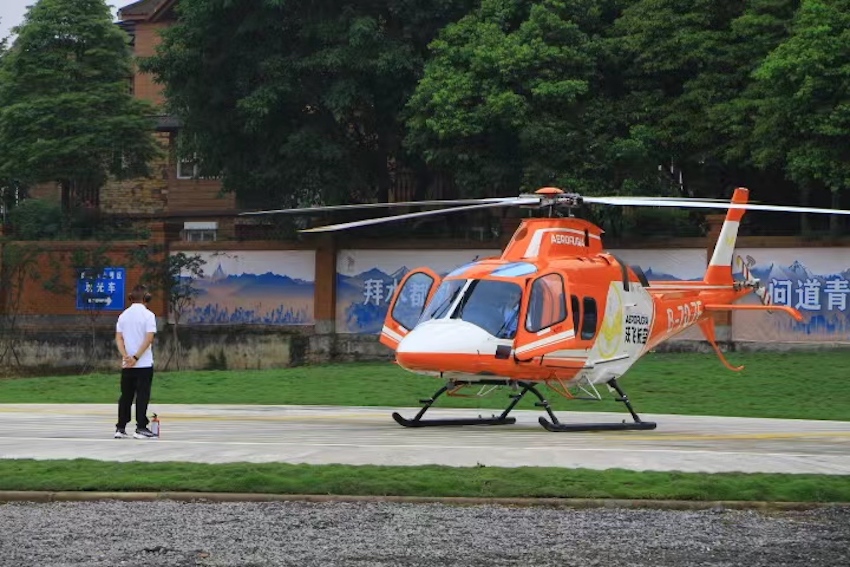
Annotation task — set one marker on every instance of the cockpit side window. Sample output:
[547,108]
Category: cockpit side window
[574,305]
[547,303]
[589,322]
[411,300]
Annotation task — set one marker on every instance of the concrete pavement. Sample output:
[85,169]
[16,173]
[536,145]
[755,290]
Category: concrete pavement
[357,436]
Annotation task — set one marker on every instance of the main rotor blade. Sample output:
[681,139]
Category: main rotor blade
[438,202]
[686,199]
[702,204]
[501,203]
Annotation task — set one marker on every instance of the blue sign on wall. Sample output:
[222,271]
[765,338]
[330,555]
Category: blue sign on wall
[103,291]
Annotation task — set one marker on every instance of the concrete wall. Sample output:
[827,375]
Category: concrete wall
[52,332]
[63,350]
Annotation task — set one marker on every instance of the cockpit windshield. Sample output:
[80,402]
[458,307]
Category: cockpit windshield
[443,300]
[490,304]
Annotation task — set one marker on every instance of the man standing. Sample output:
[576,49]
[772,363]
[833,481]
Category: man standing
[134,336]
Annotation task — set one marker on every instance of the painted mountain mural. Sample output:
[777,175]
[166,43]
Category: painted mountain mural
[653,275]
[363,299]
[256,299]
[822,299]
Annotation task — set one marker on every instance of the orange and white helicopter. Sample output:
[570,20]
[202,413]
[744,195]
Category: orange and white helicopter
[555,308]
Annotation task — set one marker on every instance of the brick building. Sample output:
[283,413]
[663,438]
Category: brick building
[191,206]
[175,193]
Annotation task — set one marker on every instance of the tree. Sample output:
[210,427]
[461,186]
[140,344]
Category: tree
[66,113]
[802,121]
[504,96]
[19,263]
[174,275]
[297,103]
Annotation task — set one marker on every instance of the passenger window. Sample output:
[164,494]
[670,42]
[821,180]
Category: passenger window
[576,311]
[588,324]
[411,300]
[547,304]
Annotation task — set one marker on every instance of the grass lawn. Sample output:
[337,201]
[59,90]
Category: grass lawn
[813,385]
[799,385]
[480,482]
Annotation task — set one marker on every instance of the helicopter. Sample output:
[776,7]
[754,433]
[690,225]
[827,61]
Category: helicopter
[555,309]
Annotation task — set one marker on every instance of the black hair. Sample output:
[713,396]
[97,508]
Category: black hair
[140,292]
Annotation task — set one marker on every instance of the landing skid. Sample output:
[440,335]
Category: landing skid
[417,421]
[637,425]
[552,424]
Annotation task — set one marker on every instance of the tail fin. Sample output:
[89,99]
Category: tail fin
[720,266]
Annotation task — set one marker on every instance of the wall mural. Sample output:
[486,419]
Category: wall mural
[676,264]
[254,287]
[366,279]
[812,280]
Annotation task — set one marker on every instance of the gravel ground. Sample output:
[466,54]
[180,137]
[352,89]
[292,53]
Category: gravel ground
[152,534]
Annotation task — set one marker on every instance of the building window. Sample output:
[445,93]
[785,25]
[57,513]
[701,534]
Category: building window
[187,167]
[200,231]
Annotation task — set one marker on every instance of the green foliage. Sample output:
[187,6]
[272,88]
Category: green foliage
[18,267]
[499,103]
[296,103]
[803,116]
[66,113]
[39,219]
[659,383]
[427,481]
[36,219]
[303,103]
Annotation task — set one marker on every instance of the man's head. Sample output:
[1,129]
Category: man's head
[513,296]
[140,294]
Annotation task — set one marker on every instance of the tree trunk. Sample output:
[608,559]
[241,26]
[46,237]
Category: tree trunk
[66,195]
[175,345]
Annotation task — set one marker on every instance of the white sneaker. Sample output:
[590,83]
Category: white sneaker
[143,433]
[120,434]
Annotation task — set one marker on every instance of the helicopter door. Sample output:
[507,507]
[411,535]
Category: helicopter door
[409,300]
[544,323]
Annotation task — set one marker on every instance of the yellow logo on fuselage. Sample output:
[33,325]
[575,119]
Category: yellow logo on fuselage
[611,333]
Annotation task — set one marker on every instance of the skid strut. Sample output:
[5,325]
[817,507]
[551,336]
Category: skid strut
[551,424]
[417,421]
[637,425]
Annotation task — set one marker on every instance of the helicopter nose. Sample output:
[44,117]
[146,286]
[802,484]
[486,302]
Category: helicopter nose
[420,348]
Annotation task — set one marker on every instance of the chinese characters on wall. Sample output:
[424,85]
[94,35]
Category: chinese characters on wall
[810,294]
[374,291]
[812,280]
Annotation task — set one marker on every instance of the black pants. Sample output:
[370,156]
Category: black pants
[135,382]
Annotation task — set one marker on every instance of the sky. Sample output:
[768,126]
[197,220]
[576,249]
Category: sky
[12,12]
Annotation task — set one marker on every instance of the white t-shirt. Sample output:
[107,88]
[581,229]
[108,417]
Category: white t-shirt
[134,323]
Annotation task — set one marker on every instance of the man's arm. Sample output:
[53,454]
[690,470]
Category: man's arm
[145,345]
[119,342]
